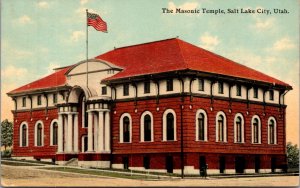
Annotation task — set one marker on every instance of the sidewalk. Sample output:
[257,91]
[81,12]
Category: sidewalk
[149,174]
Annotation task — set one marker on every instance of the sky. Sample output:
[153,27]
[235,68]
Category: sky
[39,35]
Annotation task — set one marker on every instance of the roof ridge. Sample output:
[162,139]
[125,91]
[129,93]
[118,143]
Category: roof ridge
[116,48]
[180,51]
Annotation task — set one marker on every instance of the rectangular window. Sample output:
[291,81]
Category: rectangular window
[147,87]
[125,89]
[39,100]
[54,98]
[201,85]
[238,90]
[221,89]
[104,90]
[24,102]
[271,95]
[255,92]
[170,85]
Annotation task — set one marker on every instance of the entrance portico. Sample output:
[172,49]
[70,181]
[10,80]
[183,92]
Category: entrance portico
[80,118]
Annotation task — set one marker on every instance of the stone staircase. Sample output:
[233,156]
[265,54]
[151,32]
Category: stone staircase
[72,162]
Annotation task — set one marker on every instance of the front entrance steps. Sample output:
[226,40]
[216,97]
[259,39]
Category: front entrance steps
[72,162]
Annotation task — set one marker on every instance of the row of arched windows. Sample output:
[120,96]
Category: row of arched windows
[201,122]
[38,133]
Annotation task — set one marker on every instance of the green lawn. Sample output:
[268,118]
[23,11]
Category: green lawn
[101,173]
[14,163]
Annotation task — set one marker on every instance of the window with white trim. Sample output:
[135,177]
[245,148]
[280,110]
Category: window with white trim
[220,88]
[255,92]
[54,133]
[54,98]
[39,100]
[256,130]
[125,128]
[201,125]
[201,84]
[24,102]
[238,128]
[238,90]
[271,95]
[23,134]
[169,125]
[272,131]
[221,127]
[39,134]
[169,84]
[146,127]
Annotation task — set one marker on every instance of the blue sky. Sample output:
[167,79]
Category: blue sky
[37,36]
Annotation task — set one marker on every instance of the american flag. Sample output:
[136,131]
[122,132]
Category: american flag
[96,21]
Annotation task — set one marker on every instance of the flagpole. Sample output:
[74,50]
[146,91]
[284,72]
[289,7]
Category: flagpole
[87,46]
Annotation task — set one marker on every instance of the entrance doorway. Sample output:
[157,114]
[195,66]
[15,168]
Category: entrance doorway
[222,164]
[257,163]
[273,164]
[239,164]
[125,163]
[202,162]
[169,164]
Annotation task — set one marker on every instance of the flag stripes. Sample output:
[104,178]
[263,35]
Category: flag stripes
[96,21]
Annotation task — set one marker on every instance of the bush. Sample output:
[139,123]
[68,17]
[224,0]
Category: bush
[6,153]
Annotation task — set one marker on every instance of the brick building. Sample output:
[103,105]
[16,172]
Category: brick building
[166,106]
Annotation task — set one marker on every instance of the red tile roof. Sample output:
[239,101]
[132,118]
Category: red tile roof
[55,79]
[175,54]
[158,57]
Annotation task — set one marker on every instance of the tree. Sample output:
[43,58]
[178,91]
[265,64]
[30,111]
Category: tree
[6,133]
[292,155]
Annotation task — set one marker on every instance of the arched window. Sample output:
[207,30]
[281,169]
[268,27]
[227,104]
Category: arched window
[53,133]
[239,128]
[256,130]
[272,131]
[146,127]
[125,128]
[169,125]
[126,131]
[39,134]
[221,135]
[23,135]
[201,125]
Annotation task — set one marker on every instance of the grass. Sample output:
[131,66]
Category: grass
[27,161]
[141,172]
[14,163]
[99,173]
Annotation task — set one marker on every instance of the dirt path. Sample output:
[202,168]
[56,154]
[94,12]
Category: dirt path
[27,176]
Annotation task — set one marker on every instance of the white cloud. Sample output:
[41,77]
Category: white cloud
[82,2]
[209,42]
[284,44]
[264,24]
[25,20]
[12,71]
[43,4]
[186,6]
[76,36]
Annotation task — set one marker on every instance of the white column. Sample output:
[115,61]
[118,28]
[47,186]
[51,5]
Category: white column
[95,132]
[65,119]
[75,133]
[90,131]
[100,132]
[60,134]
[107,131]
[69,129]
